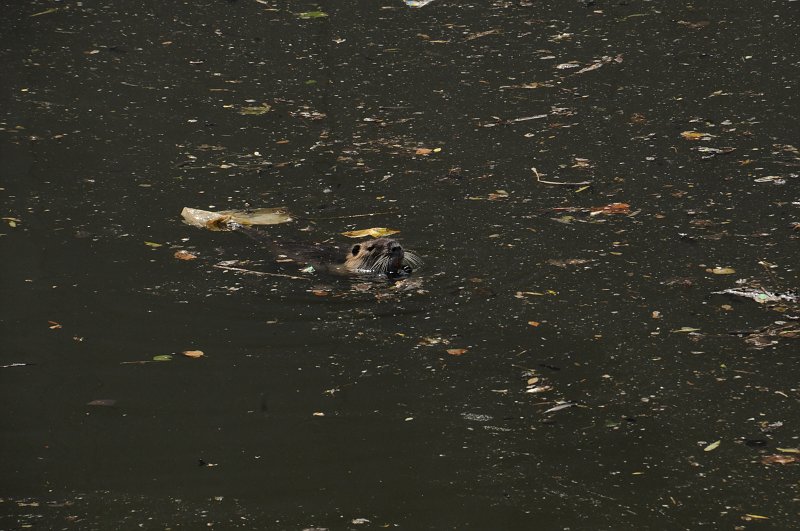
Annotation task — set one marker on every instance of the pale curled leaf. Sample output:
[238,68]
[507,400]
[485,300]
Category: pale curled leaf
[205,219]
[256,110]
[373,232]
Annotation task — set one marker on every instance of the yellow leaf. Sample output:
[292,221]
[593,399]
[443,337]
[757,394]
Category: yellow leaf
[757,517]
[722,271]
[374,232]
[712,446]
[193,353]
[789,450]
[534,323]
[694,135]
[255,111]
[456,351]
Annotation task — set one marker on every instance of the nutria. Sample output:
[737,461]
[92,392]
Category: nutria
[383,256]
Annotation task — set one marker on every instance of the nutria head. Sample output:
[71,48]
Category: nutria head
[383,255]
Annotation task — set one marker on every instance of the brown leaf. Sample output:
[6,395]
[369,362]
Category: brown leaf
[778,459]
[456,351]
[193,353]
[613,208]
[184,255]
[695,135]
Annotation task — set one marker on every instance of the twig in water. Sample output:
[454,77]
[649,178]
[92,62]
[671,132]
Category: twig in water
[539,179]
[264,273]
[356,215]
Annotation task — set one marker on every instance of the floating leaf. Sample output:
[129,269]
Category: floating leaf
[193,353]
[778,459]
[163,357]
[497,194]
[757,517]
[154,245]
[312,14]
[374,232]
[255,111]
[722,271]
[695,135]
[760,295]
[567,262]
[534,323]
[431,341]
[686,330]
[613,208]
[789,450]
[205,219]
[184,255]
[559,407]
[713,446]
[456,351]
[539,389]
[46,12]
[12,222]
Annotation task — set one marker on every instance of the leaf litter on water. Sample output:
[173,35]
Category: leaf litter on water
[217,221]
[306,15]
[373,232]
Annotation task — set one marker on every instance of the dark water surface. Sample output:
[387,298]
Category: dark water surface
[116,115]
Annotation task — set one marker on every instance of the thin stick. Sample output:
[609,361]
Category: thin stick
[539,179]
[357,215]
[264,273]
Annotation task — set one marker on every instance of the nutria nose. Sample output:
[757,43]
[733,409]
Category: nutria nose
[396,249]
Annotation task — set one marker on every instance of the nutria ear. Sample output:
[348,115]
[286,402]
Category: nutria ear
[356,248]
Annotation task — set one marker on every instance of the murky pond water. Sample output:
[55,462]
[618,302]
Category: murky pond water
[562,361]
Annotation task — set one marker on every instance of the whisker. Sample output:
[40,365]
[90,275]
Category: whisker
[412,260]
[382,265]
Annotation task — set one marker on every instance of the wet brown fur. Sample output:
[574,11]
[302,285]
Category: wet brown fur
[381,255]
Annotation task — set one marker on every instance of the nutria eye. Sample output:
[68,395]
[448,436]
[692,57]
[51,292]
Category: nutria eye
[371,247]
[355,250]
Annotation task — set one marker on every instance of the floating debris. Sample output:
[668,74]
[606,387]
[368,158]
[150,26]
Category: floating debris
[217,221]
[373,232]
[761,296]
